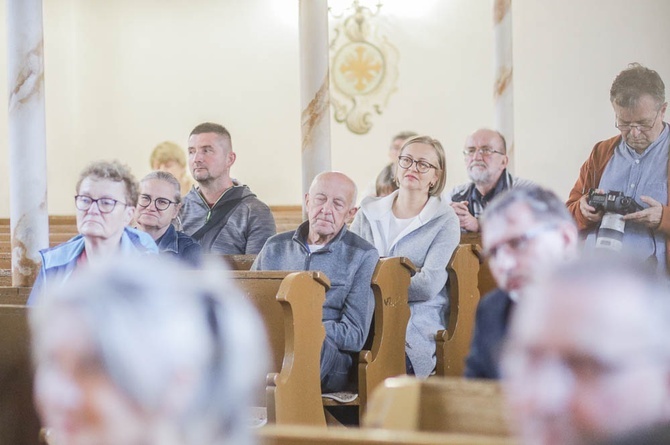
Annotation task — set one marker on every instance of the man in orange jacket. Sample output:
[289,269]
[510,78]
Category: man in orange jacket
[634,163]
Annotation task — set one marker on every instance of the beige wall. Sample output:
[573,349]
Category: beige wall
[124,75]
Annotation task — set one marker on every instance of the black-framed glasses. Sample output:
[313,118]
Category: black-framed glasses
[485,151]
[160,203]
[519,243]
[638,126]
[406,162]
[105,205]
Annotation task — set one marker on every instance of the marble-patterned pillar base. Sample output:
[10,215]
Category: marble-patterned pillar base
[314,90]
[27,138]
[503,92]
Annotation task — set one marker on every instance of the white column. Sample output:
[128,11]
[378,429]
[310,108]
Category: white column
[314,84]
[27,138]
[503,92]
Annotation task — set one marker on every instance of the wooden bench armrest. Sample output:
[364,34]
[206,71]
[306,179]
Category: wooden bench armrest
[386,357]
[295,392]
[452,346]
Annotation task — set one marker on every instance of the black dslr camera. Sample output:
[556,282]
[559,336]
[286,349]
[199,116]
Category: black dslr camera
[613,202]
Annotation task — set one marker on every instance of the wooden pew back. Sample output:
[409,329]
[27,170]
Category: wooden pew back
[453,344]
[14,295]
[449,404]
[485,281]
[19,424]
[291,305]
[386,357]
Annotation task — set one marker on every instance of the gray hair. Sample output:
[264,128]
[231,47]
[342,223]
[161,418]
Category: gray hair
[114,171]
[151,323]
[543,204]
[167,177]
[633,83]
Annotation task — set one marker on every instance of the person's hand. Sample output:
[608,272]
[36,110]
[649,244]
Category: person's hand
[649,217]
[465,218]
[589,212]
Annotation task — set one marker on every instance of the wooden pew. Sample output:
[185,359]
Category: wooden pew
[485,281]
[449,404]
[300,435]
[453,344]
[19,424]
[287,217]
[10,295]
[291,305]
[386,356]
[5,277]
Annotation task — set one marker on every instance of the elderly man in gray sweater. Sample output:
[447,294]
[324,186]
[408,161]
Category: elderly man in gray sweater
[323,243]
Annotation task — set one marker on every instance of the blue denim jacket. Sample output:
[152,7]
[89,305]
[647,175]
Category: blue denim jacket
[58,262]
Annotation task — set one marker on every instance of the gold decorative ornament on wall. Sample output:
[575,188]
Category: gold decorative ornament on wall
[363,67]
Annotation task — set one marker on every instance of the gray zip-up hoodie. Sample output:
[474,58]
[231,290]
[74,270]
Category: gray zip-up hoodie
[349,262]
[429,242]
[249,224]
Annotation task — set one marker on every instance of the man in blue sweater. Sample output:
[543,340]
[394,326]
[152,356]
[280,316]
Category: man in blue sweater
[323,243]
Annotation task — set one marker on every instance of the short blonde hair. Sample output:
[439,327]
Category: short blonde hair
[165,152]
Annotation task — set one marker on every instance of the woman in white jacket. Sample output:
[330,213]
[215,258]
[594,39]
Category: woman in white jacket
[415,223]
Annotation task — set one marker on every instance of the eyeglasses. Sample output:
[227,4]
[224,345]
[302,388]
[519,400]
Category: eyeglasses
[160,203]
[638,127]
[517,244]
[406,162]
[485,151]
[105,205]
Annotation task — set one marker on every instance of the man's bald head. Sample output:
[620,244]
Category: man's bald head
[330,204]
[337,179]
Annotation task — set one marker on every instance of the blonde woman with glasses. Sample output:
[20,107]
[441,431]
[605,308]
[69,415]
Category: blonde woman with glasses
[415,223]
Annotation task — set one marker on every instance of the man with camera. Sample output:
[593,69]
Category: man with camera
[631,167]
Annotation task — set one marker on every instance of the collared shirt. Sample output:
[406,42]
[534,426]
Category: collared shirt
[636,175]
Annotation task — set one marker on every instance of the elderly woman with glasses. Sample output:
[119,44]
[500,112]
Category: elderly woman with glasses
[153,355]
[105,200]
[157,206]
[415,223]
